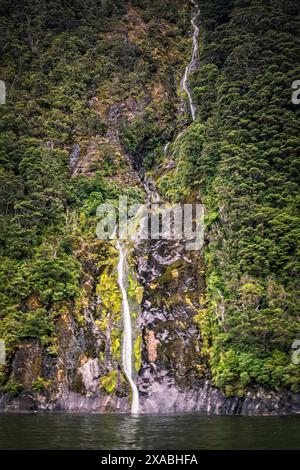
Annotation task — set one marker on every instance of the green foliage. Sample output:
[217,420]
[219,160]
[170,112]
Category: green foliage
[242,155]
[143,139]
[235,371]
[40,384]
[13,388]
[54,59]
[249,161]
[75,72]
[137,350]
[109,382]
[179,184]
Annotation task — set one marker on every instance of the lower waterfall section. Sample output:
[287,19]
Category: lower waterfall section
[127,333]
[96,327]
[168,381]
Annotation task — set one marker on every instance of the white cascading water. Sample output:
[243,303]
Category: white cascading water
[127,333]
[154,198]
[189,68]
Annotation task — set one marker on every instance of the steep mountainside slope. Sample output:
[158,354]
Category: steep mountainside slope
[89,83]
[95,111]
[242,153]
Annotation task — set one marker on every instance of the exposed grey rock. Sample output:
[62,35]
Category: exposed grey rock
[165,397]
[90,372]
[170,165]
[74,156]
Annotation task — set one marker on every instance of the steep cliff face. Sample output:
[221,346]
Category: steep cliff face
[127,108]
[247,320]
[96,111]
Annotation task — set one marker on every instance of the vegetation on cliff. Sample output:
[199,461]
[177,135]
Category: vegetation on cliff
[99,80]
[77,75]
[242,153]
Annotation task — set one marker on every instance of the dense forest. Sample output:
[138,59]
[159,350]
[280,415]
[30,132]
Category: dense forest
[243,154]
[93,96]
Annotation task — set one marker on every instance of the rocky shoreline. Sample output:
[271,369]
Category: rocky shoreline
[206,399]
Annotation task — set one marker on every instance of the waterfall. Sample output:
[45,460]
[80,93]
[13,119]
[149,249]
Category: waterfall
[152,198]
[191,65]
[166,148]
[127,333]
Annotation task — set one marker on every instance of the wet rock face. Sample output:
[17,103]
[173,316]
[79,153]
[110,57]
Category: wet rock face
[168,381]
[152,343]
[164,396]
[74,156]
[73,376]
[79,369]
[172,288]
[90,373]
[27,364]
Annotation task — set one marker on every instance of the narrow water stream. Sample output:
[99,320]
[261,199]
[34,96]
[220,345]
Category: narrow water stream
[127,333]
[152,198]
[191,65]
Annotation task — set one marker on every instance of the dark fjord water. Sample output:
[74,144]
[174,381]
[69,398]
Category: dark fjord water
[168,432]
